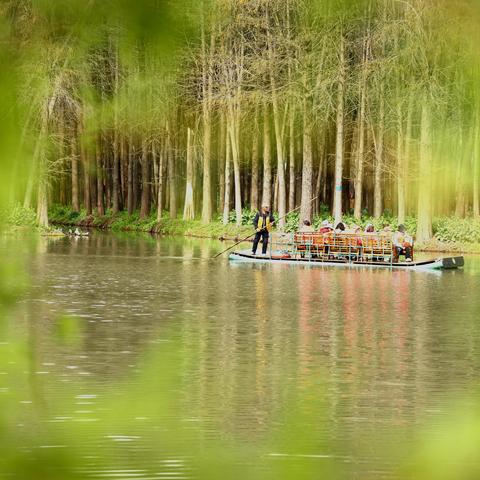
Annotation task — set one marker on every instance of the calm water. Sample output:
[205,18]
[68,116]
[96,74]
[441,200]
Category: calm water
[372,356]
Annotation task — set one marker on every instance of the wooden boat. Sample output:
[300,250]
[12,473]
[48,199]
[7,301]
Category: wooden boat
[283,258]
[341,249]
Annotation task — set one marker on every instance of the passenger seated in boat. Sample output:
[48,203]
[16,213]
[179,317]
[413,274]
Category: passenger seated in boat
[326,227]
[340,228]
[402,244]
[306,227]
[370,228]
[386,231]
[353,229]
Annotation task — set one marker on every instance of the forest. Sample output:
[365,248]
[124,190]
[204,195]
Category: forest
[200,109]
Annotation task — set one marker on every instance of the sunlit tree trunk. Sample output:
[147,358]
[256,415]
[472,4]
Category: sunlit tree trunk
[307,168]
[424,207]
[281,194]
[188,210]
[172,189]
[377,189]
[232,130]
[42,189]
[400,166]
[291,175]
[267,165]
[42,198]
[226,203]
[254,184]
[207,127]
[98,161]
[460,196]
[337,194]
[221,165]
[407,149]
[361,138]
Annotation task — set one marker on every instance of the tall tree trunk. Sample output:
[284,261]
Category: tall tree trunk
[145,199]
[161,167]
[98,161]
[115,174]
[233,133]
[207,85]
[254,182]
[189,210]
[221,165]
[74,166]
[460,196]
[226,203]
[84,157]
[407,150]
[400,167]
[42,192]
[267,159]
[171,179]
[424,207]
[281,193]
[357,209]
[338,181]
[42,198]
[291,173]
[377,189]
[130,179]
[307,169]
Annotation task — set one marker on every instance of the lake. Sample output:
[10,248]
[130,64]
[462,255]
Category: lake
[147,357]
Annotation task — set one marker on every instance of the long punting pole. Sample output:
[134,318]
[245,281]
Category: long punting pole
[252,234]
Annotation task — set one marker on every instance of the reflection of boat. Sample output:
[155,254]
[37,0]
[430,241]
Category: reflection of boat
[284,258]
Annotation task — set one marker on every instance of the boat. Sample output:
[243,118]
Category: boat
[347,250]
[280,257]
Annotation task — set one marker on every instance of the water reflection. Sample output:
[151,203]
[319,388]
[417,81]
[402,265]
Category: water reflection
[381,349]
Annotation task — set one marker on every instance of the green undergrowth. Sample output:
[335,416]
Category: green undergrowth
[451,234]
[122,221]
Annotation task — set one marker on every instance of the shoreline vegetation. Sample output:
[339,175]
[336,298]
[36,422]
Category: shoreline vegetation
[450,234]
[369,108]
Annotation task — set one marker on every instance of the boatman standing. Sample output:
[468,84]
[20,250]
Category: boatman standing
[263,224]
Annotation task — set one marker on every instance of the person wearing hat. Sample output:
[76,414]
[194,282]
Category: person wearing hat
[262,223]
[326,227]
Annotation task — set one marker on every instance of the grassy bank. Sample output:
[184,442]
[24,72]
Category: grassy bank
[64,216]
[454,235]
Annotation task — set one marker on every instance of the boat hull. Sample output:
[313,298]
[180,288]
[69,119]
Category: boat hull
[448,263]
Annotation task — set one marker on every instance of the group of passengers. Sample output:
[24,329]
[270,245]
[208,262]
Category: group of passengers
[401,240]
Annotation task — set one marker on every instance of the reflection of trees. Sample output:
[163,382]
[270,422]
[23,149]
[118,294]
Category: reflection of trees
[379,346]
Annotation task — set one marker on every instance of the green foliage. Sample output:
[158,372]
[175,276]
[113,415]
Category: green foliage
[461,230]
[19,216]
[247,216]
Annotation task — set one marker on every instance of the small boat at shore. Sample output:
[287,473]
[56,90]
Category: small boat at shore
[285,258]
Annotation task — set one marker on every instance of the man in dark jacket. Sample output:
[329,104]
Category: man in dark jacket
[263,224]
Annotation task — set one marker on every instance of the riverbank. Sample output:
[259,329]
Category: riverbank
[450,234]
[122,221]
